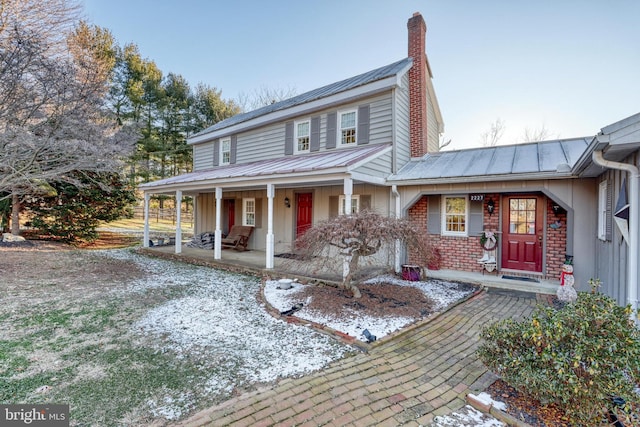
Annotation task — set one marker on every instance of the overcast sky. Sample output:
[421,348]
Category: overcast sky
[572,66]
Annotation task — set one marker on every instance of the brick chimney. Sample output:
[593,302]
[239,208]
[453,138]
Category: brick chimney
[417,86]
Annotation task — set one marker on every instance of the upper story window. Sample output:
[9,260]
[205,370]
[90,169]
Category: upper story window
[301,138]
[225,151]
[347,127]
[455,215]
[249,211]
[355,204]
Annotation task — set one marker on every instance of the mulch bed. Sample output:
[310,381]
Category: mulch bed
[382,299]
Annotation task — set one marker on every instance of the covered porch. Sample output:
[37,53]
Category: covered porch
[252,262]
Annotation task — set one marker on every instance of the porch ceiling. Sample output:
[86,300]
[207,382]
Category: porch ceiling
[326,168]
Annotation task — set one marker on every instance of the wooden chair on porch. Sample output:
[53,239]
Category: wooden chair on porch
[238,237]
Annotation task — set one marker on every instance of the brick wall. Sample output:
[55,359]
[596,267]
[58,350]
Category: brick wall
[556,243]
[417,30]
[462,253]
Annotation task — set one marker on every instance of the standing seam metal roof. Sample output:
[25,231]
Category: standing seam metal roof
[280,166]
[322,92]
[529,158]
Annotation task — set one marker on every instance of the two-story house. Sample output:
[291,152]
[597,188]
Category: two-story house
[371,141]
[282,167]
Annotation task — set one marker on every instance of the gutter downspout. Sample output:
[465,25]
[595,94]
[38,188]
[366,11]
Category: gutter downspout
[634,230]
[396,195]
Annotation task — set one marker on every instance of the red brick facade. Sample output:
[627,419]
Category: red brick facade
[462,253]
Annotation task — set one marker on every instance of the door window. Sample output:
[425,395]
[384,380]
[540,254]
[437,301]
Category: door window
[522,216]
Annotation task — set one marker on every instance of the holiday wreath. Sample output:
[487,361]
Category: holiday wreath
[488,240]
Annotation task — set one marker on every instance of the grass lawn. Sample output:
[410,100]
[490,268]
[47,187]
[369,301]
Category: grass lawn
[129,340]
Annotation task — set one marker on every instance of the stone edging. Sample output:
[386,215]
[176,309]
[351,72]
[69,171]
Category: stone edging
[488,408]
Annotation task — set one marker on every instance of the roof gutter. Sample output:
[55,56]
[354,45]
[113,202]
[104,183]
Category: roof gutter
[634,230]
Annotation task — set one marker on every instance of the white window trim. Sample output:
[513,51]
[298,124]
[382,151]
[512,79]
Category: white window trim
[245,201]
[602,210]
[339,126]
[295,136]
[355,201]
[443,225]
[222,142]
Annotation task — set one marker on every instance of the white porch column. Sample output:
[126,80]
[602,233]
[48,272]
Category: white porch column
[217,244]
[145,234]
[348,193]
[178,221]
[270,240]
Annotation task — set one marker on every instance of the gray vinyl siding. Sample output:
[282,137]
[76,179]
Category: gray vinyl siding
[261,144]
[433,136]
[612,256]
[268,142]
[203,156]
[380,167]
[380,121]
[402,153]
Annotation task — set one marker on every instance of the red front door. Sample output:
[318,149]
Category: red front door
[522,236]
[304,206]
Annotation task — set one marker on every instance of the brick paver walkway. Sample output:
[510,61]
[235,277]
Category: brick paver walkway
[406,381]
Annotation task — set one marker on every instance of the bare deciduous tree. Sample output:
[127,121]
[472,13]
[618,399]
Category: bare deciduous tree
[53,81]
[541,133]
[264,96]
[492,136]
[348,238]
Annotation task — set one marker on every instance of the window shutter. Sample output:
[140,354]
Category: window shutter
[258,213]
[314,143]
[362,135]
[233,148]
[288,138]
[434,215]
[476,218]
[332,121]
[333,206]
[216,152]
[365,202]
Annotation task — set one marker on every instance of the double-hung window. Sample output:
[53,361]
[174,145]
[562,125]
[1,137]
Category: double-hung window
[347,121]
[249,211]
[355,204]
[455,215]
[225,151]
[302,133]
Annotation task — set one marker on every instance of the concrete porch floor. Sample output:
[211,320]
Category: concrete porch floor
[253,261]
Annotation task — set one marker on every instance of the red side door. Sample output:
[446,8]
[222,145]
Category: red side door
[304,209]
[522,235]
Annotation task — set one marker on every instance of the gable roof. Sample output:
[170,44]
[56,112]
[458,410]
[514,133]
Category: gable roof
[391,70]
[546,159]
[303,168]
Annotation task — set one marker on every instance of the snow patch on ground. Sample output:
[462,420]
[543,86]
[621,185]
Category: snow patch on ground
[352,323]
[467,417]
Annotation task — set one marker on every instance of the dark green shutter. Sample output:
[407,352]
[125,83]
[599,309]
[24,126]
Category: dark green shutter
[434,215]
[314,140]
[476,218]
[234,148]
[288,138]
[333,206]
[216,152]
[362,135]
[332,120]
[258,213]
